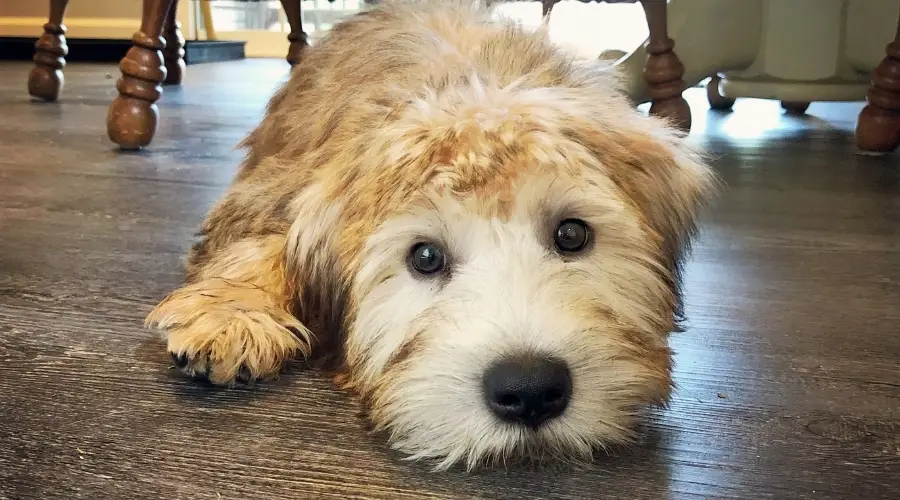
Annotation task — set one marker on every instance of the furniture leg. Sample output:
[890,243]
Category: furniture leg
[547,6]
[664,71]
[131,122]
[878,127]
[795,107]
[45,81]
[297,37]
[173,53]
[208,26]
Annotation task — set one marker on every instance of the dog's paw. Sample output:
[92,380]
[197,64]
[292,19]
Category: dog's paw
[236,352]
[200,367]
[226,334]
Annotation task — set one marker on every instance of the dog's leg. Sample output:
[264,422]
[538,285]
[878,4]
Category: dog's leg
[232,320]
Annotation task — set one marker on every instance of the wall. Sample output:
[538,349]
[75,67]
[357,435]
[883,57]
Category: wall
[84,18]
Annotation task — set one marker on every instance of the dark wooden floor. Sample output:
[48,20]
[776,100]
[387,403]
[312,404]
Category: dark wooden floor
[789,375]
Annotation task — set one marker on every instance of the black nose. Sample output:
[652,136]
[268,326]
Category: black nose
[529,389]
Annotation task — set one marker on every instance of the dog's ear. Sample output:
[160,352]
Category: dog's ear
[668,180]
[661,174]
[314,267]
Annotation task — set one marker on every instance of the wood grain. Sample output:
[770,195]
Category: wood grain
[789,375]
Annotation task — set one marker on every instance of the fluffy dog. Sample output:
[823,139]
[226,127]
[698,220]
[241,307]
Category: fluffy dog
[483,233]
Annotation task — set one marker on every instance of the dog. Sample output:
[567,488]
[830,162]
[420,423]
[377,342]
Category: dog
[480,233]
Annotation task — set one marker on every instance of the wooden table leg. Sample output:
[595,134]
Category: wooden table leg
[131,122]
[173,54]
[45,81]
[664,71]
[878,127]
[297,37]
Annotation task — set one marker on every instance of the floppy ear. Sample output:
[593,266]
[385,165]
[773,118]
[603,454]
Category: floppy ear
[666,179]
[313,263]
[669,182]
[251,304]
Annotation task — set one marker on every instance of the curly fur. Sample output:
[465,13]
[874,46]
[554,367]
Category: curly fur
[437,120]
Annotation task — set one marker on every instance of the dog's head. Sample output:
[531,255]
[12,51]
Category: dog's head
[494,259]
[503,265]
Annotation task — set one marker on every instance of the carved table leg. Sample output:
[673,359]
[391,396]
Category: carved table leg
[45,81]
[297,37]
[664,71]
[878,127]
[131,122]
[173,54]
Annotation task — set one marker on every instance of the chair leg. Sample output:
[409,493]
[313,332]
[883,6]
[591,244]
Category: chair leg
[206,12]
[297,37]
[173,54]
[547,6]
[45,81]
[878,126]
[131,122]
[664,71]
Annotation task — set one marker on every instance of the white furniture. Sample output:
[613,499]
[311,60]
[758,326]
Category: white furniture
[795,51]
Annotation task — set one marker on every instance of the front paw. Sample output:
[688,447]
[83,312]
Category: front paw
[239,352]
[200,366]
[224,333]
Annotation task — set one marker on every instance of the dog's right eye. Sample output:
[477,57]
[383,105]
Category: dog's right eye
[572,235]
[427,258]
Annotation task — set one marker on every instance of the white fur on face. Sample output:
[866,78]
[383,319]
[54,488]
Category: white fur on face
[508,292]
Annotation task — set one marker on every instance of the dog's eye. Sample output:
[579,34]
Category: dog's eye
[427,258]
[571,235]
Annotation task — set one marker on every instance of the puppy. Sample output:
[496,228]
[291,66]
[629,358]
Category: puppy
[483,234]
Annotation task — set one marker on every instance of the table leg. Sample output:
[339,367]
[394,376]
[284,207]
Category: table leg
[297,37]
[173,54]
[664,71]
[878,126]
[131,122]
[45,81]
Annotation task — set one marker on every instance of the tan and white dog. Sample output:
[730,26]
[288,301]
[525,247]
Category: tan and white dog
[482,233]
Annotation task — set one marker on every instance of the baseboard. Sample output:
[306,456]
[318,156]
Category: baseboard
[207,51]
[78,27]
[112,50]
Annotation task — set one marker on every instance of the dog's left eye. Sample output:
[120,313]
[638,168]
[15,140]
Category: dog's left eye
[572,235]
[427,258]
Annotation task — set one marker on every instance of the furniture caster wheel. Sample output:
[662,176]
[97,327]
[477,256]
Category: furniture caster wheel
[795,107]
[716,100]
[612,55]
